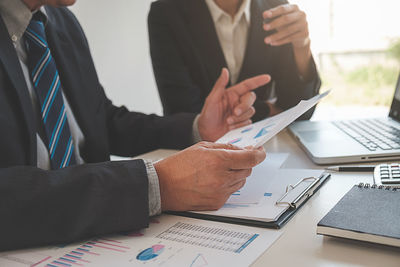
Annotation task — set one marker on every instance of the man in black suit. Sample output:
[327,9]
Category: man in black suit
[191,40]
[58,129]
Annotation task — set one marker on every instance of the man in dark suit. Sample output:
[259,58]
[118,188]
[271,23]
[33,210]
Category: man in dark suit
[58,129]
[191,40]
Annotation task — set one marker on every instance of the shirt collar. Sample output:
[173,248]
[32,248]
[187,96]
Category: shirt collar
[217,12]
[17,16]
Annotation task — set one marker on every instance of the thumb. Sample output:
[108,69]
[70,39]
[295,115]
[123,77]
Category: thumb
[220,84]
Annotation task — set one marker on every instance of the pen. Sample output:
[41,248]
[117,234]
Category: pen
[360,168]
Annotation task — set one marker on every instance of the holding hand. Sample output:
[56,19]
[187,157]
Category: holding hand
[290,24]
[291,27]
[202,177]
[227,109]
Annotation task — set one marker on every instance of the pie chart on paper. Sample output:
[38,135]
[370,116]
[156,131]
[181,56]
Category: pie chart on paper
[150,253]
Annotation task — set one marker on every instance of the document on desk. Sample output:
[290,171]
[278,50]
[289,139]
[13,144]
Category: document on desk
[169,241]
[253,191]
[260,132]
[274,187]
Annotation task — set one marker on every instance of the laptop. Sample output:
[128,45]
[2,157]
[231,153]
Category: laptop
[345,141]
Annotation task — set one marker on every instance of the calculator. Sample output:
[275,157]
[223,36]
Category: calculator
[387,174]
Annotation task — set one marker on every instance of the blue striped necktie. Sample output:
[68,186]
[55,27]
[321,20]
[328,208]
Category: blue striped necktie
[46,83]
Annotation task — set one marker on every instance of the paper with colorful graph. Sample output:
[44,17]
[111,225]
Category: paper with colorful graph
[260,132]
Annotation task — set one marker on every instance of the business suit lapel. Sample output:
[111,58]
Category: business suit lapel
[205,36]
[9,58]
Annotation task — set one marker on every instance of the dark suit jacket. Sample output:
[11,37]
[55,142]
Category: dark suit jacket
[39,207]
[187,58]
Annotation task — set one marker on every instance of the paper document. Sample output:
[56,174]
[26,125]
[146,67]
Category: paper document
[274,187]
[169,241]
[253,191]
[260,132]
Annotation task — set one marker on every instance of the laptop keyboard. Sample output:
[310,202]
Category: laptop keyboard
[374,134]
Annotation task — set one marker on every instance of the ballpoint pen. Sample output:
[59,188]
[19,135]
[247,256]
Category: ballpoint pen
[360,168]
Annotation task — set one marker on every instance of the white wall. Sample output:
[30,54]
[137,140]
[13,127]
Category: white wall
[117,34]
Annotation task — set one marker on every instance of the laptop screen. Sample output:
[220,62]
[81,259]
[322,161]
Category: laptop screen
[395,108]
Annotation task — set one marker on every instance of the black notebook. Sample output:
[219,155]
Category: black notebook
[366,213]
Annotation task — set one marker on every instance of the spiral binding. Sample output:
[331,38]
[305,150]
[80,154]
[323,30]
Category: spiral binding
[367,185]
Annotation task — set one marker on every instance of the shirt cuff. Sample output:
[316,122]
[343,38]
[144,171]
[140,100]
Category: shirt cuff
[154,189]
[195,133]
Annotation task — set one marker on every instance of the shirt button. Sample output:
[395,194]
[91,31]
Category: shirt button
[14,38]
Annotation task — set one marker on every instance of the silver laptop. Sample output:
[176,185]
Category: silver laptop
[332,142]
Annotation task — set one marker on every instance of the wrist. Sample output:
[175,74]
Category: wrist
[303,58]
[202,128]
[162,180]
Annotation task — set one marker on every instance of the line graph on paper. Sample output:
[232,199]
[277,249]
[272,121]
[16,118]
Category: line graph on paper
[199,261]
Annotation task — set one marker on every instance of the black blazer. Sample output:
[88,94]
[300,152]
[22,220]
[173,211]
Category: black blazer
[40,207]
[187,58]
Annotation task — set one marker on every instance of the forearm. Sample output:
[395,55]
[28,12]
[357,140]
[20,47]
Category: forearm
[133,133]
[303,57]
[48,207]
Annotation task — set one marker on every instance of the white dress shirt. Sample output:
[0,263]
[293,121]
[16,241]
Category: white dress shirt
[232,34]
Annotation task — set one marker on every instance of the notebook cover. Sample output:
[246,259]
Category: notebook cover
[367,210]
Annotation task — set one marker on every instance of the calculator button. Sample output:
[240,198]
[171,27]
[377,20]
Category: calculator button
[391,181]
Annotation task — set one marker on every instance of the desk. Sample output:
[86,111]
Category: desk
[299,244]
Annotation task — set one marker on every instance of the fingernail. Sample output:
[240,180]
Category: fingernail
[267,40]
[238,112]
[267,26]
[269,14]
[230,120]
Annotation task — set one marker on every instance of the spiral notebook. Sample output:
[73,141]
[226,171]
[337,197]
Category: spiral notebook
[365,213]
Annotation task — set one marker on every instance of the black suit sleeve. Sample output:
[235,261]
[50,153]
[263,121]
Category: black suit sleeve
[133,133]
[289,86]
[178,91]
[51,207]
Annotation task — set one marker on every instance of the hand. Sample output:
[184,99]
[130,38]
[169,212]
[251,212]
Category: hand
[203,176]
[290,24]
[227,109]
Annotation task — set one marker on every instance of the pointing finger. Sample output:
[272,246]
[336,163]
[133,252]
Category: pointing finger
[250,84]
[220,84]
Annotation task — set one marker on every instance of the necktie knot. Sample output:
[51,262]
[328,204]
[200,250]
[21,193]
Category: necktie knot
[36,32]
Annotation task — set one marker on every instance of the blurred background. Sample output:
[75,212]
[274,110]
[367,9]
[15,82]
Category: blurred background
[356,45]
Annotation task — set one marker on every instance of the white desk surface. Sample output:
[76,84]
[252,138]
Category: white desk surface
[299,244]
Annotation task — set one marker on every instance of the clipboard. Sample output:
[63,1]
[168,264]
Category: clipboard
[293,206]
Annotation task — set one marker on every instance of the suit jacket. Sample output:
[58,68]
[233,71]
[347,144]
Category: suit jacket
[41,207]
[187,58]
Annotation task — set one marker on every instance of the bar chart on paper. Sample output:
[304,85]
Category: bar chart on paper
[174,241]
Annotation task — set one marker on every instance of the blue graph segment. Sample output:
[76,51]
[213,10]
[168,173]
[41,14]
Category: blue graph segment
[263,131]
[199,261]
[248,129]
[150,253]
[247,243]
